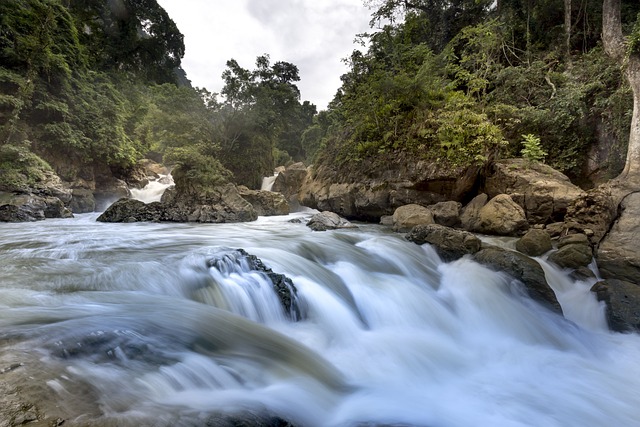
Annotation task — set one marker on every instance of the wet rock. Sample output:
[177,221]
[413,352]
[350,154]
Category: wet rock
[265,203]
[131,210]
[522,268]
[408,216]
[501,216]
[535,242]
[446,213]
[572,255]
[623,304]
[247,419]
[543,192]
[324,221]
[29,207]
[450,244]
[239,261]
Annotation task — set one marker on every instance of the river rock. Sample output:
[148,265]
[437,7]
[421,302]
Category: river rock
[446,213]
[266,203]
[501,216]
[408,216]
[543,192]
[573,255]
[522,268]
[450,244]
[131,210]
[470,214]
[82,201]
[618,255]
[535,242]
[326,220]
[623,304]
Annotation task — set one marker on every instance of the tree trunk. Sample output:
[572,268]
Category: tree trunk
[614,46]
[567,30]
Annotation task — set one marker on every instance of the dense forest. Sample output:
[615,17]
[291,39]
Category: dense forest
[456,81]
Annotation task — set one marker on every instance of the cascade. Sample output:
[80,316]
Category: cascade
[268,181]
[168,325]
[152,192]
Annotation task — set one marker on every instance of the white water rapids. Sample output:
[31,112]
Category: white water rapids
[128,325]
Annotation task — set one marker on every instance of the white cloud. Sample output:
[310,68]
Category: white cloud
[312,34]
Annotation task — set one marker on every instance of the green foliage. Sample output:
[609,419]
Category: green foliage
[531,149]
[195,171]
[20,168]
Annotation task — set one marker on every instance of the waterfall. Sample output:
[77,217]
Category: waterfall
[267,182]
[152,192]
[169,325]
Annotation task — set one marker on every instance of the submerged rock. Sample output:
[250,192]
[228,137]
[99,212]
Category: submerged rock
[522,268]
[450,244]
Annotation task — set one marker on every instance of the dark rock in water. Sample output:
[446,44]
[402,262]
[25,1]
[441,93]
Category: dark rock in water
[266,203]
[535,242]
[582,273]
[451,244]
[324,221]
[282,285]
[29,207]
[574,255]
[522,268]
[130,210]
[247,420]
[623,304]
[219,204]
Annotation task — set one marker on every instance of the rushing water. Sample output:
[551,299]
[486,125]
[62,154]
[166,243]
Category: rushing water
[152,192]
[128,324]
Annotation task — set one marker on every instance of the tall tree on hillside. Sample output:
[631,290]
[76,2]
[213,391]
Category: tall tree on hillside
[627,52]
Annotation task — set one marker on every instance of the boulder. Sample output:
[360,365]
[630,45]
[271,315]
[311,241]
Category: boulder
[450,244]
[523,269]
[623,304]
[29,207]
[618,254]
[328,221]
[266,203]
[446,213]
[131,210]
[408,216]
[535,242]
[573,255]
[543,192]
[470,214]
[219,204]
[592,213]
[501,216]
[378,186]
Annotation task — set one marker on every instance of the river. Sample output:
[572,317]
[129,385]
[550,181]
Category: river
[129,324]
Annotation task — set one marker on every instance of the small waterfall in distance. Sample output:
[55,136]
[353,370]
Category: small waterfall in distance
[268,181]
[153,191]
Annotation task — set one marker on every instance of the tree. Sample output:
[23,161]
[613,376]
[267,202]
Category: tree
[615,45]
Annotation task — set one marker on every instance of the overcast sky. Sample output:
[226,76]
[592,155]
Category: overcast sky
[312,34]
